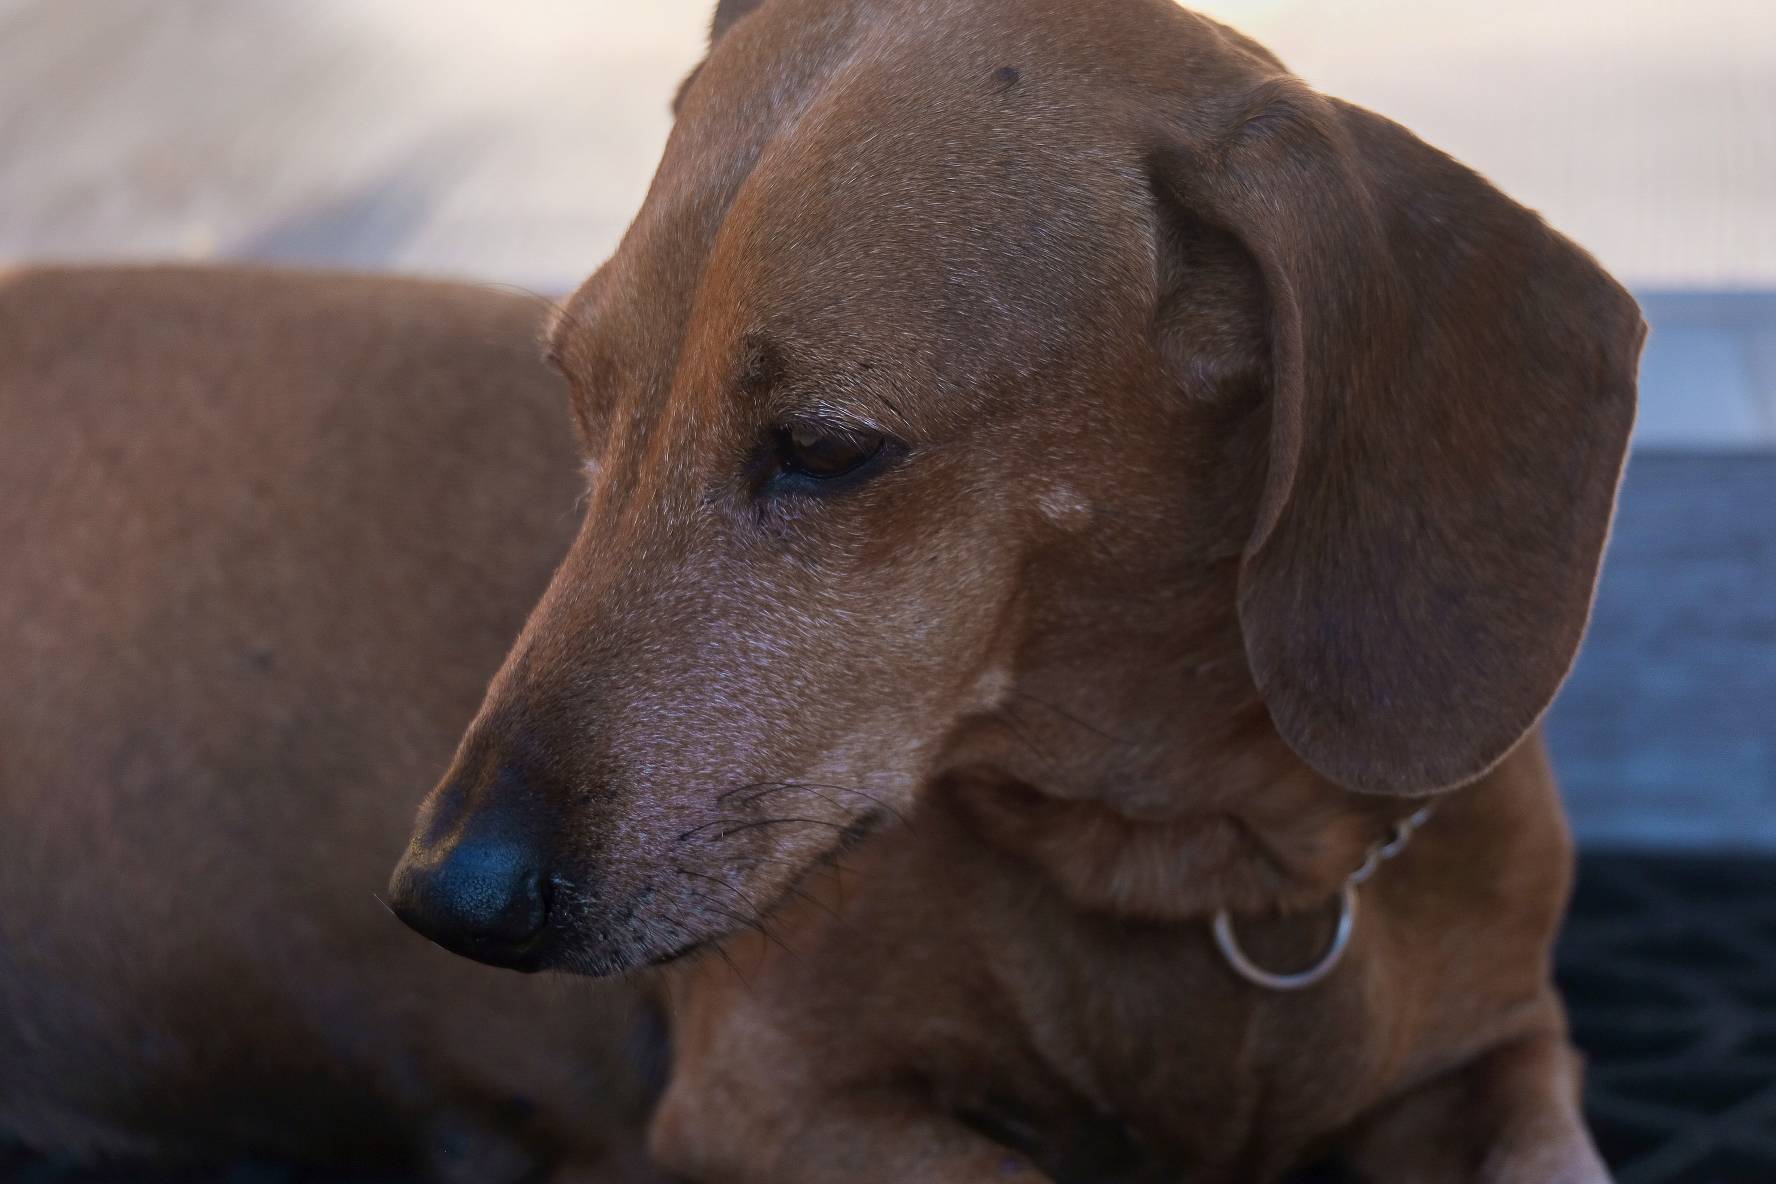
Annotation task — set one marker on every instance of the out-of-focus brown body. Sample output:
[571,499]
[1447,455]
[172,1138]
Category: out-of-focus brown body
[264,538]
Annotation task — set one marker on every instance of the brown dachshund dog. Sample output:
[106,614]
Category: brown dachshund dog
[1065,496]
[265,538]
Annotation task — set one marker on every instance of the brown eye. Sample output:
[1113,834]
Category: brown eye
[825,451]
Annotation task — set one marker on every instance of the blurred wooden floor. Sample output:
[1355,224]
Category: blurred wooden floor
[512,141]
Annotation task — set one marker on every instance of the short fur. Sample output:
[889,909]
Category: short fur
[1254,462]
[265,536]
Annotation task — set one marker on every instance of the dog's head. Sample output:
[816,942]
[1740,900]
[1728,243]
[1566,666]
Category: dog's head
[1030,390]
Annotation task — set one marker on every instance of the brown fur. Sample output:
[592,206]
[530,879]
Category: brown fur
[265,537]
[1251,463]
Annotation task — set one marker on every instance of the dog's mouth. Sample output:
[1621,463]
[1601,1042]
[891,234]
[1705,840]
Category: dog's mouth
[760,916]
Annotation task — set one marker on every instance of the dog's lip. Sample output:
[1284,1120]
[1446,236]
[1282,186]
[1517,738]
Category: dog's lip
[681,952]
[526,959]
[859,829]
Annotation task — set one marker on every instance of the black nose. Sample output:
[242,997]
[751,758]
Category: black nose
[483,897]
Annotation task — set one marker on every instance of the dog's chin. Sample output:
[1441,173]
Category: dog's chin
[599,946]
[661,936]
[590,952]
[615,960]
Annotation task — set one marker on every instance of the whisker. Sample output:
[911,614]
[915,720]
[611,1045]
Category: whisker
[1068,715]
[736,825]
[756,921]
[791,889]
[815,787]
[725,794]
[734,966]
[750,902]
[800,864]
[1012,725]
[838,917]
[842,828]
[554,307]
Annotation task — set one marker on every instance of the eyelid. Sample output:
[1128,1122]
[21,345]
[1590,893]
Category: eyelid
[834,417]
[848,427]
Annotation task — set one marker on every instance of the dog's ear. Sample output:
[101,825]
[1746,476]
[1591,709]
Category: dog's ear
[1452,390]
[726,13]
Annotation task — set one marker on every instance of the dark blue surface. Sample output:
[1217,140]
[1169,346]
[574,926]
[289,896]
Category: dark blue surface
[1666,734]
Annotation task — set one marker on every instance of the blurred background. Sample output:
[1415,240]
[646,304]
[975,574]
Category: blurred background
[511,142]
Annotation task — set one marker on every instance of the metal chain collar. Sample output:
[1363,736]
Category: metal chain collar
[1379,853]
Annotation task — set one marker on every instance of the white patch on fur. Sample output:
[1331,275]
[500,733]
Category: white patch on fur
[1065,508]
[992,687]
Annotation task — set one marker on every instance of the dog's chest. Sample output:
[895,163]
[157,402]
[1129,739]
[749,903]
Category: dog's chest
[1149,1028]
[1130,1047]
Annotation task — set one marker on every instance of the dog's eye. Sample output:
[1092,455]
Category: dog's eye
[824,452]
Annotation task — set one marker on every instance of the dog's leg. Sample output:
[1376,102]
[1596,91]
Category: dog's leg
[1510,1117]
[860,1138]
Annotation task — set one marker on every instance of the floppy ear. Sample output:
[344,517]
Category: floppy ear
[1453,390]
[726,13]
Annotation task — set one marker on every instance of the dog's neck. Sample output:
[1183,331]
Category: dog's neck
[1157,787]
[1267,835]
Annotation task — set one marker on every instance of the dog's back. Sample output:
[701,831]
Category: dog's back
[265,537]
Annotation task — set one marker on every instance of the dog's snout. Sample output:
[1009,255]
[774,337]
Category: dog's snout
[483,895]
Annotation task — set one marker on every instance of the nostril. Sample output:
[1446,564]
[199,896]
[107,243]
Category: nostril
[483,898]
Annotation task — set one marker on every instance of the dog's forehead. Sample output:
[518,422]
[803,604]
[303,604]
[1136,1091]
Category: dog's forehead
[853,172]
[949,231]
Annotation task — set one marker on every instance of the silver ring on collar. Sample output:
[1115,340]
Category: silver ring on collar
[1228,941]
